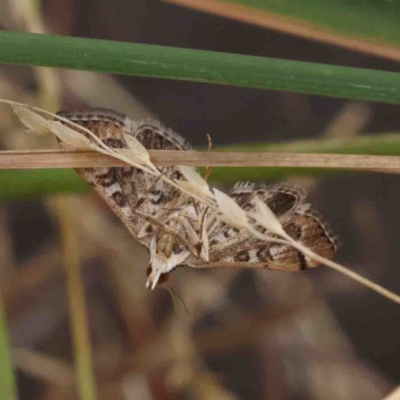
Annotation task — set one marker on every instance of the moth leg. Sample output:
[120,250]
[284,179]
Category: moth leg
[166,229]
[144,230]
[205,249]
[190,231]
[199,237]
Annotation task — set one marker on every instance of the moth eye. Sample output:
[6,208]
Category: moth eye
[163,278]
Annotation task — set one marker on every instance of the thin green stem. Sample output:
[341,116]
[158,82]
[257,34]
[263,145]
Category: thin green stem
[7,383]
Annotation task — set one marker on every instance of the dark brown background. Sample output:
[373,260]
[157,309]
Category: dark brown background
[363,208]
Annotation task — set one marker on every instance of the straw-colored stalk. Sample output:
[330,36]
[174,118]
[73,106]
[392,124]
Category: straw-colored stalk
[33,159]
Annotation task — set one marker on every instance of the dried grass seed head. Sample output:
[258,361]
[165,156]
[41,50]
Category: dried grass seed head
[136,151]
[33,121]
[70,136]
[231,213]
[265,217]
[194,182]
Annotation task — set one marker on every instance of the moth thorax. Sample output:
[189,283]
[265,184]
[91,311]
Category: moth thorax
[165,244]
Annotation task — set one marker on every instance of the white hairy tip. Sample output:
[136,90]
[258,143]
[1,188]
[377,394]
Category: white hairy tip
[195,183]
[69,136]
[232,214]
[33,121]
[267,218]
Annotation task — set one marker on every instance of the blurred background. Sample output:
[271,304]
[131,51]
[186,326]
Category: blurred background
[250,334]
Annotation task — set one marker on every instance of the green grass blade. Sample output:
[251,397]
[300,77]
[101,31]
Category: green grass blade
[38,183]
[201,66]
[7,384]
[378,144]
[369,19]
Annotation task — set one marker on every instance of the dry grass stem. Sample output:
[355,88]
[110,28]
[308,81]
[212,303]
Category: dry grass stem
[394,395]
[77,304]
[43,367]
[73,159]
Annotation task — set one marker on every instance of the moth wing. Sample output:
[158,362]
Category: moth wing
[282,199]
[232,248]
[128,189]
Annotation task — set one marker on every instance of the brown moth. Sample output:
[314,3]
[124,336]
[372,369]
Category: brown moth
[179,230]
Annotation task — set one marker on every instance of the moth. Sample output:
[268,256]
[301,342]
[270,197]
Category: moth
[181,231]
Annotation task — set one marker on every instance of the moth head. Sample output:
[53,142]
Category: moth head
[161,265]
[157,270]
[155,278]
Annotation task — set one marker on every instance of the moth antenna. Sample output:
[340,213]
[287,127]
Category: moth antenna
[168,289]
[173,292]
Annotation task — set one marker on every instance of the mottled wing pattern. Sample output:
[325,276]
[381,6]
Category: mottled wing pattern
[129,189]
[230,247]
[183,229]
